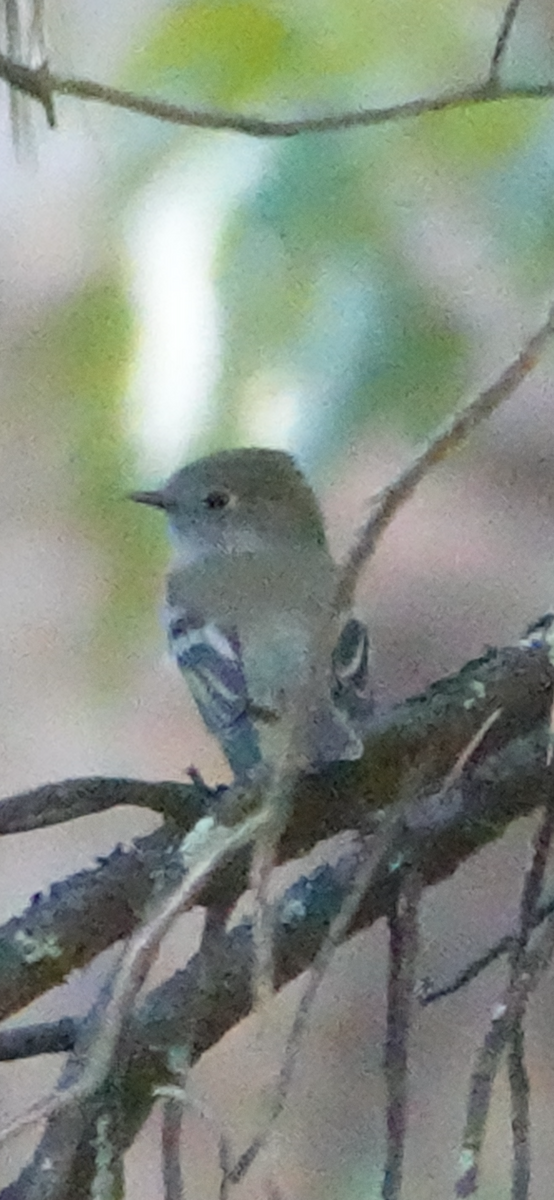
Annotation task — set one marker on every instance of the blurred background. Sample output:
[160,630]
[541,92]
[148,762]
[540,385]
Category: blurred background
[167,292]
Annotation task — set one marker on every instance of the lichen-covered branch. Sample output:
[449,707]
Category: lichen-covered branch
[408,753]
[54,803]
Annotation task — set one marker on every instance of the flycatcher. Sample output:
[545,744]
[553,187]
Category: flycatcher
[251,614]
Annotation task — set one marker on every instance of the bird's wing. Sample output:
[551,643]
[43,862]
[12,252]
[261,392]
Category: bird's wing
[210,658]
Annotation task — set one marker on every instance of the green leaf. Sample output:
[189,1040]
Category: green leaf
[226,49]
[468,140]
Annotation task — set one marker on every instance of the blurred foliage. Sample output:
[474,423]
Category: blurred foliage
[88,346]
[224,51]
[322,284]
[338,307]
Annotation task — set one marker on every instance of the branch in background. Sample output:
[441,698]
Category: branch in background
[25,37]
[380,847]
[527,966]
[47,1037]
[503,38]
[517,1069]
[53,803]
[172,1121]
[519,1099]
[429,994]
[391,499]
[42,84]
[37,32]
[403,947]
[506,1018]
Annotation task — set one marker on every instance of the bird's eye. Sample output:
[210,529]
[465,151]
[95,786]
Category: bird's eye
[217,499]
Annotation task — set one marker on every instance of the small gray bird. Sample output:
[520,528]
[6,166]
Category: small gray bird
[274,668]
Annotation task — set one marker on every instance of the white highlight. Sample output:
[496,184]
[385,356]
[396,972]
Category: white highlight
[172,242]
[217,640]
[205,635]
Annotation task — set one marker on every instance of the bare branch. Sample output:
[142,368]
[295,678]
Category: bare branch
[519,1096]
[527,967]
[391,499]
[380,848]
[506,1017]
[469,973]
[171,1146]
[42,84]
[225,1161]
[482,1079]
[403,945]
[48,1037]
[107,1179]
[517,1071]
[533,882]
[504,945]
[57,802]
[503,38]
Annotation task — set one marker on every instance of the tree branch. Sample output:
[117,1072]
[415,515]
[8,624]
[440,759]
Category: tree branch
[501,44]
[54,803]
[210,852]
[42,84]
[458,429]
[408,753]
[199,1004]
[47,1037]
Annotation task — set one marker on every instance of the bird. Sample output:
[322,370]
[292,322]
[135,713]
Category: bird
[278,673]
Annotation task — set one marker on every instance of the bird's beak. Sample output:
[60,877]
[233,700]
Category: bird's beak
[155,499]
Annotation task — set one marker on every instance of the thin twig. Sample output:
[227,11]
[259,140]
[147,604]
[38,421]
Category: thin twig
[503,38]
[398,1010]
[526,968]
[482,1079]
[403,944]
[533,882]
[392,497]
[379,844]
[468,973]
[37,33]
[172,1122]
[107,1181]
[454,776]
[517,1071]
[42,84]
[519,1098]
[263,863]
[225,1161]
[475,968]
